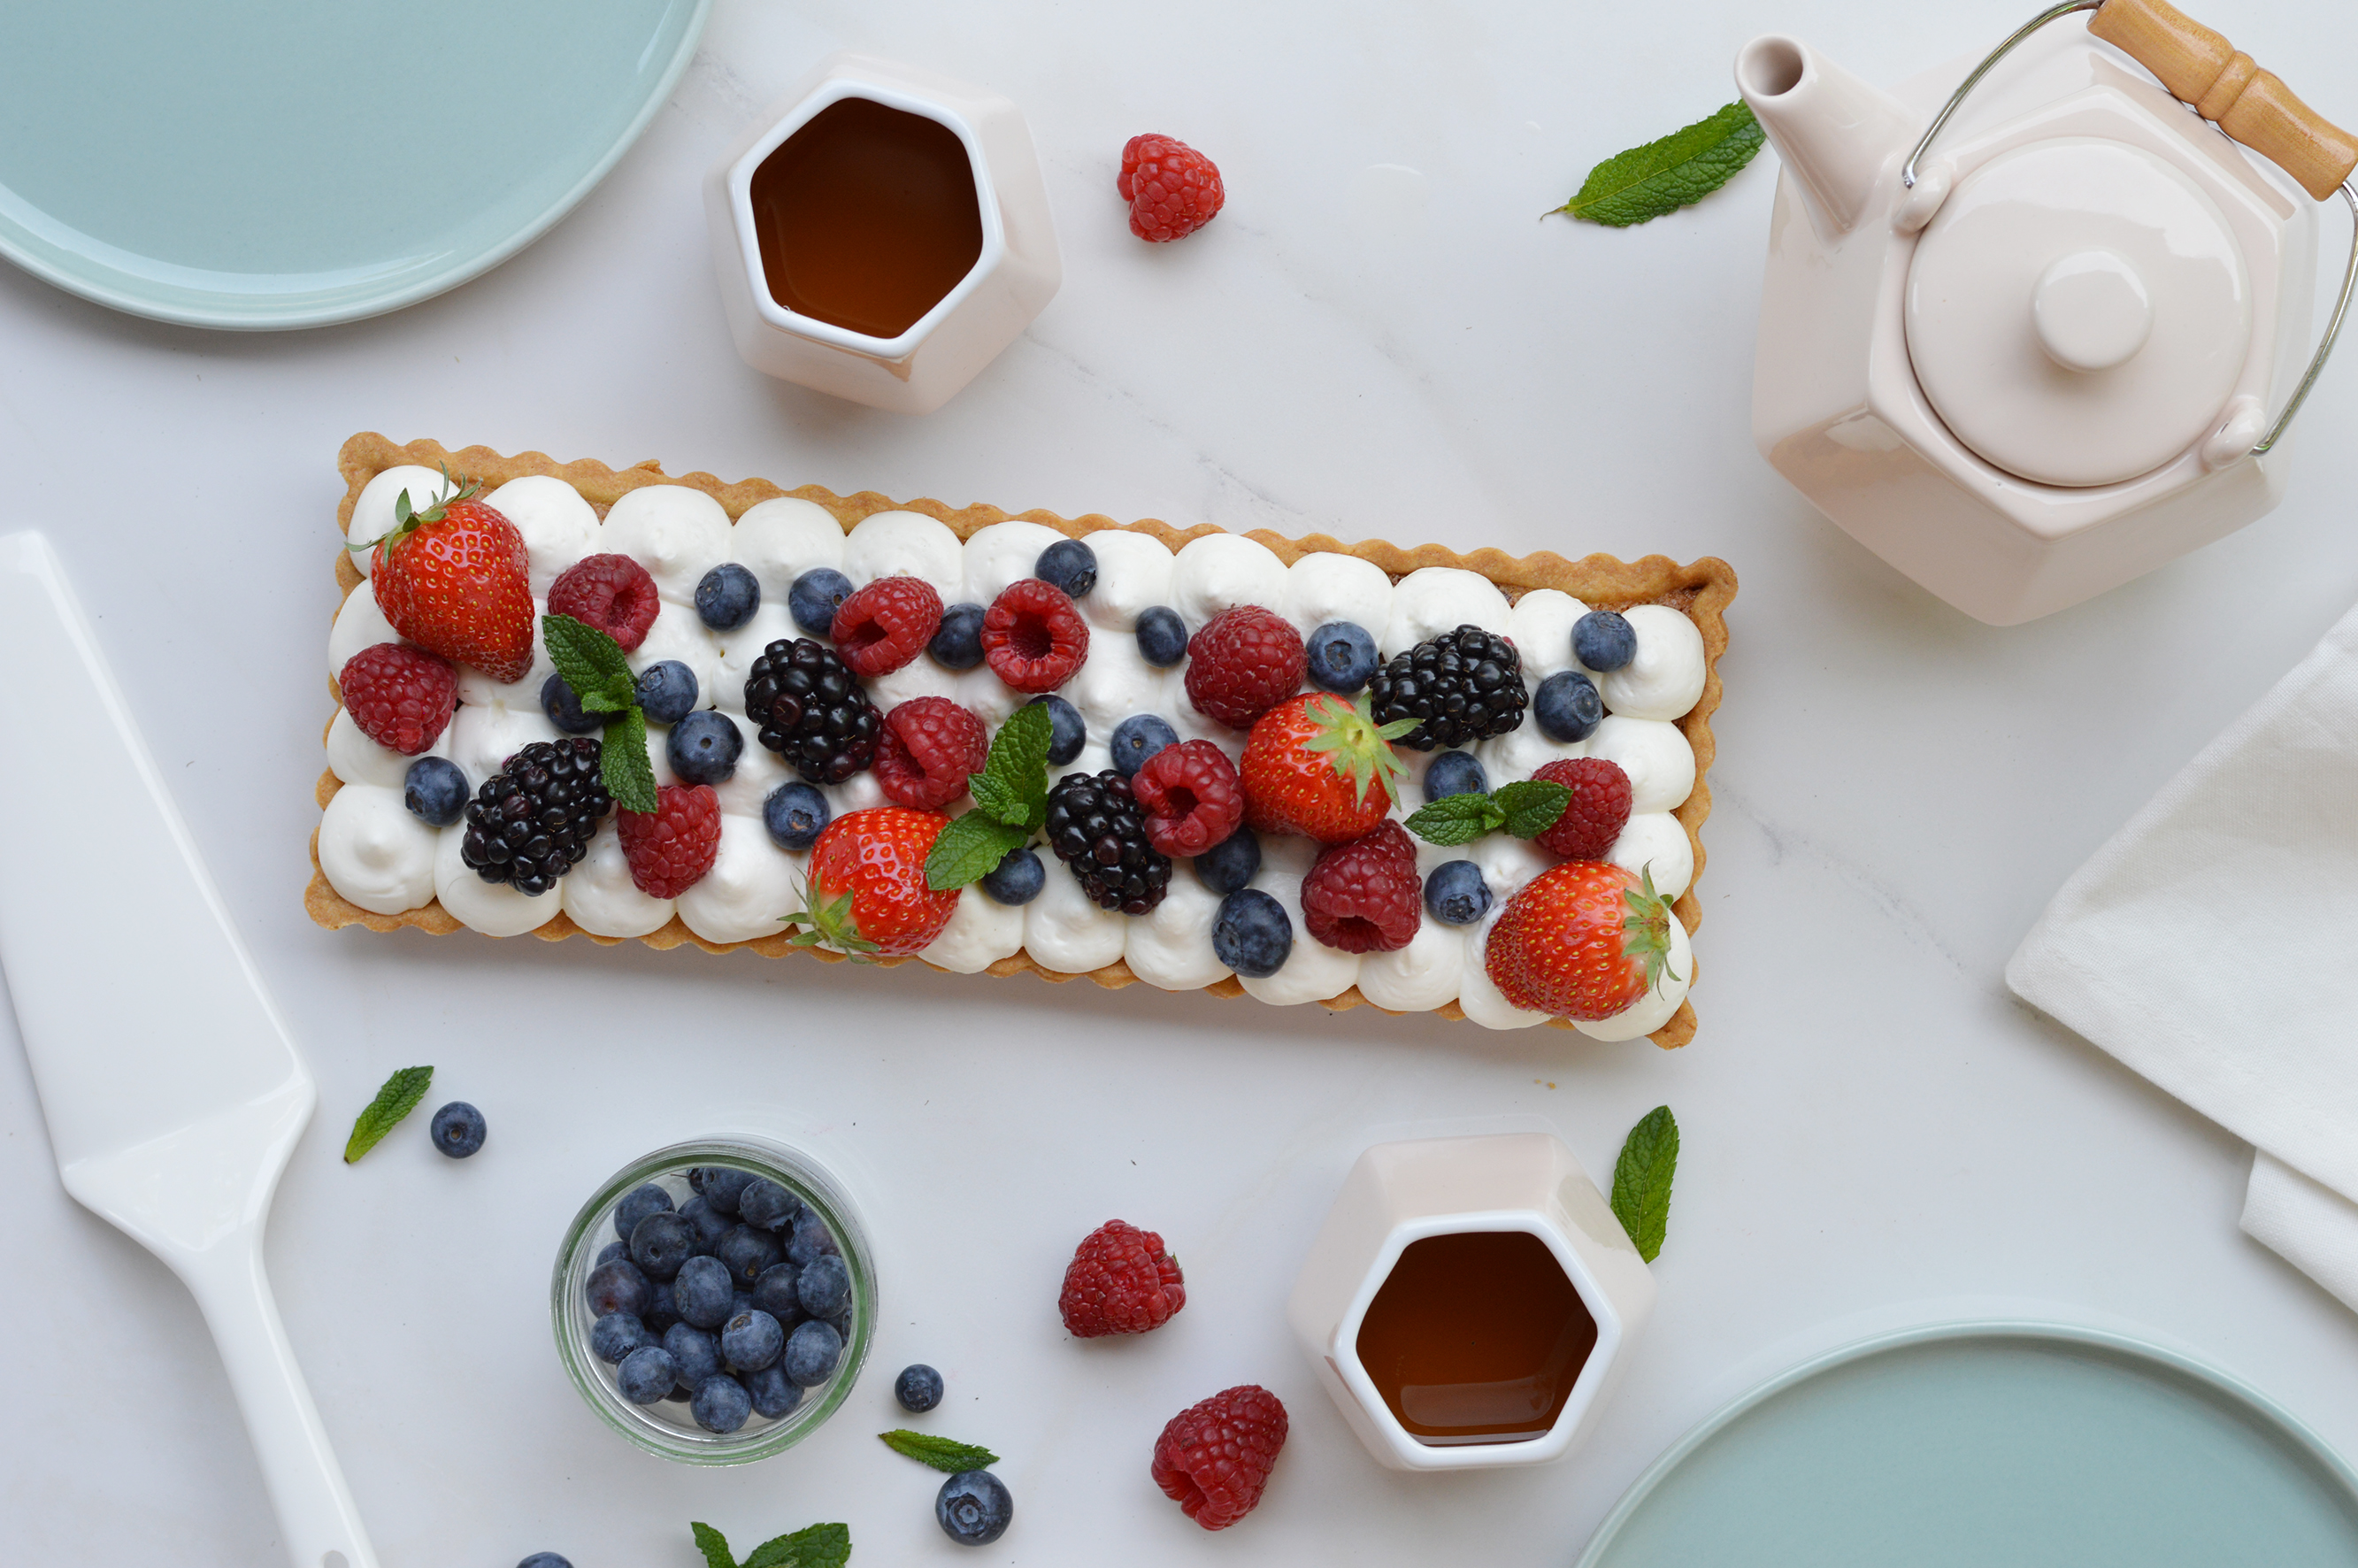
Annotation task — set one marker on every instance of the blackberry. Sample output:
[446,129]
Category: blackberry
[1465,685]
[1096,828]
[532,821]
[811,711]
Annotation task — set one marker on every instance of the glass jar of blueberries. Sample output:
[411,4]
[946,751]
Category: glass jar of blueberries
[714,1300]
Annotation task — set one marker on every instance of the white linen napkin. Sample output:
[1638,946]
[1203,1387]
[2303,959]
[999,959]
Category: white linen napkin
[2213,945]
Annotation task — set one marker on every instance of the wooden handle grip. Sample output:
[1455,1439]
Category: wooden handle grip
[2226,87]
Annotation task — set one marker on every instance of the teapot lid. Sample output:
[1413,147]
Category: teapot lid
[2078,311]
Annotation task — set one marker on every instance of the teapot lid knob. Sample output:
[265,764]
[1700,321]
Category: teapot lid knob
[2091,310]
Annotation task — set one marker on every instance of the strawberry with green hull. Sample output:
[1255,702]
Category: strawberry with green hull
[451,577]
[1318,765]
[1583,940]
[866,894]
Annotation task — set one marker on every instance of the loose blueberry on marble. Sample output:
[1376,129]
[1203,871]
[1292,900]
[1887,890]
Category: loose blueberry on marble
[661,1243]
[611,1250]
[1070,564]
[778,1293]
[811,1241]
[1017,879]
[974,1508]
[1603,641]
[544,1560]
[773,1392]
[814,598]
[721,1404]
[747,1252]
[647,1374]
[751,1340]
[1252,933]
[1456,893]
[667,691]
[616,1334]
[641,1201]
[696,1351]
[704,1293]
[458,1129]
[918,1387]
[1139,737]
[1455,772]
[812,1351]
[662,1309]
[704,746]
[957,642]
[435,790]
[1567,707]
[727,596]
[617,1286]
[1162,636]
[825,1289]
[1230,863]
[1066,733]
[1340,657]
[766,1206]
[708,1223]
[793,814]
[564,708]
[723,1185]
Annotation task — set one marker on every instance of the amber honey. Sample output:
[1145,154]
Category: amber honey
[1477,1337]
[866,217]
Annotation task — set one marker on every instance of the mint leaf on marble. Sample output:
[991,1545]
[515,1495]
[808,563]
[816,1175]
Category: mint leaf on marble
[817,1546]
[713,1544]
[397,1100]
[938,1452]
[1663,176]
[1641,1180]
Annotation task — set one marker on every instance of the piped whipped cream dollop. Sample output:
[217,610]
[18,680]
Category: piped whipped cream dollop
[1323,586]
[482,737]
[1655,844]
[752,887]
[1065,932]
[1419,976]
[1000,555]
[1433,600]
[560,528]
[677,532]
[495,908]
[601,897]
[906,543]
[1133,576]
[1171,946]
[1220,572]
[779,540]
[357,759]
[1312,972]
[1654,752]
[1541,628]
[1664,680]
[374,852]
[981,931]
[360,623]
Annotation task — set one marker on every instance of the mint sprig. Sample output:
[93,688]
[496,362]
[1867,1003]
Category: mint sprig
[1663,176]
[397,1100]
[815,1546]
[591,663]
[1641,1180]
[1011,801]
[938,1452]
[1526,808]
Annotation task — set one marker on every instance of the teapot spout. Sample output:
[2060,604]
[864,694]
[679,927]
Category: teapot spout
[1834,132]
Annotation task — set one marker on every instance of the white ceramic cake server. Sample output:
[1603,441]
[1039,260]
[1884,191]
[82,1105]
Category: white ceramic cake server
[172,1092]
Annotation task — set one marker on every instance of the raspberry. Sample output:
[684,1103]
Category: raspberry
[929,747]
[1214,1458]
[670,848]
[401,696]
[1192,797]
[1365,896]
[1598,810]
[1120,1281]
[613,593]
[1032,638]
[1243,663]
[1172,188]
[886,625]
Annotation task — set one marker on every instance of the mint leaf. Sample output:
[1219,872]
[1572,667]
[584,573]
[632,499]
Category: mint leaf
[1001,800]
[1019,759]
[622,763]
[1459,818]
[713,1544]
[1529,807]
[939,1451]
[969,849]
[1663,176]
[816,1546]
[397,1100]
[591,662]
[1641,1180]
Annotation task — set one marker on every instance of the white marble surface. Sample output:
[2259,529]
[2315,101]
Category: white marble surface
[1874,1133]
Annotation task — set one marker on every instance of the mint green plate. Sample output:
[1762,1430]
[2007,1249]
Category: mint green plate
[1977,1444]
[287,163]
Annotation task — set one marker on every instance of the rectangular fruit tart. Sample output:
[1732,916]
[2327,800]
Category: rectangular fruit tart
[578,698]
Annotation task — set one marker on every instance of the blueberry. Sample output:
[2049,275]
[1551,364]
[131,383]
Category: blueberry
[617,1286]
[1252,933]
[727,596]
[811,1240]
[1567,706]
[564,708]
[723,1185]
[1066,733]
[765,1205]
[1017,879]
[1341,657]
[611,1250]
[695,1351]
[435,790]
[661,1243]
[704,746]
[647,1374]
[641,1201]
[812,1351]
[667,691]
[708,1223]
[616,1334]
[957,644]
[663,1311]
[777,1293]
[974,1508]
[825,1289]
[458,1129]
[793,814]
[773,1392]
[721,1404]
[1455,772]
[1139,737]
[748,1251]
[1230,863]
[1162,636]
[740,1302]
[703,1292]
[1069,565]
[816,595]
[751,1340]
[918,1387]
[1603,641]
[1456,894]
[545,1560]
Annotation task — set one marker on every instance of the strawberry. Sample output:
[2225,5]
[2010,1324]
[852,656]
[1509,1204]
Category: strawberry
[451,579]
[1585,940]
[866,894]
[1317,765]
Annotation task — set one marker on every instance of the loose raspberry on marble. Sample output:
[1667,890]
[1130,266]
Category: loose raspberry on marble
[1192,797]
[1214,1458]
[1032,637]
[928,748]
[1120,1281]
[671,848]
[613,593]
[1598,810]
[1242,662]
[1172,188]
[400,696]
[886,625]
[1366,896]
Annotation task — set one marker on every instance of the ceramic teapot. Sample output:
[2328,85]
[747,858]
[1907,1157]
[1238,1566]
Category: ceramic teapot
[2033,328]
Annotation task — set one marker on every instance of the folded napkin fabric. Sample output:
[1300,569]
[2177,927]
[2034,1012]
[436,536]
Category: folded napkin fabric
[2213,945]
